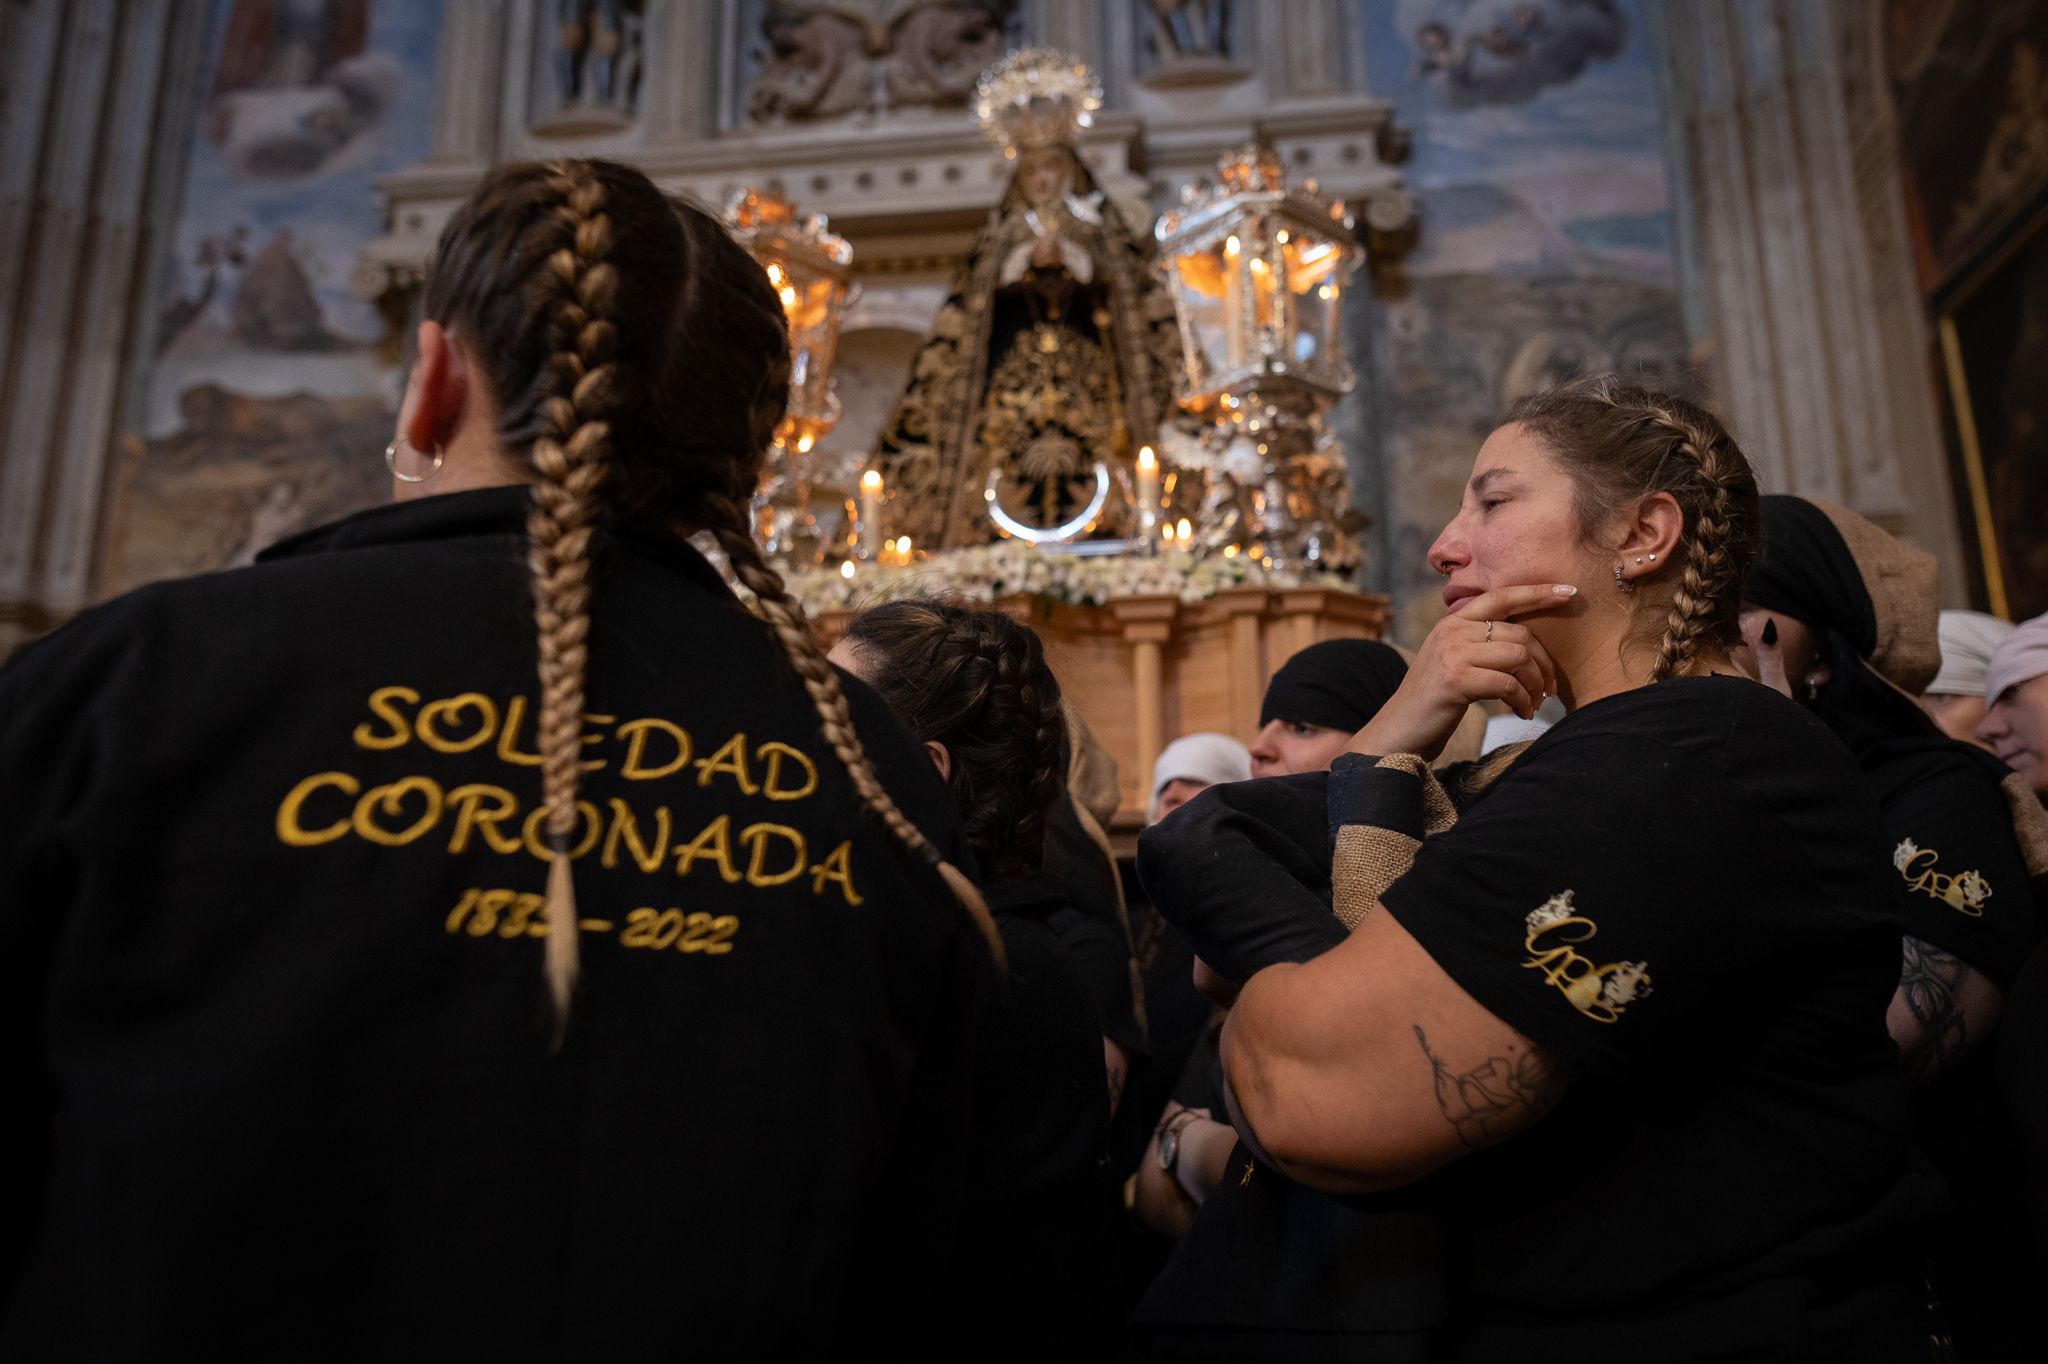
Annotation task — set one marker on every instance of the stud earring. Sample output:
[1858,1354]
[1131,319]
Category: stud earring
[391,462]
[1653,558]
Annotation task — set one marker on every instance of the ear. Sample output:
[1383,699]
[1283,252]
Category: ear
[941,759]
[437,393]
[1650,536]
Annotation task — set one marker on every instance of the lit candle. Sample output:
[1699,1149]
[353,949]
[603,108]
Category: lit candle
[1233,305]
[1148,493]
[870,533]
[1262,293]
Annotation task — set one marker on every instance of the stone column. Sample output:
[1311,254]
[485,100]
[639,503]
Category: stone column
[1801,294]
[96,138]
[468,80]
[1075,26]
[680,78]
[1307,47]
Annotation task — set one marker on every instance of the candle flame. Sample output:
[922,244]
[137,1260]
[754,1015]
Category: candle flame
[846,569]
[1185,530]
[1230,246]
[1146,459]
[871,481]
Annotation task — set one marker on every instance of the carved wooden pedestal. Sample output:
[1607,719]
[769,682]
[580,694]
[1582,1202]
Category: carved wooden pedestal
[1144,670]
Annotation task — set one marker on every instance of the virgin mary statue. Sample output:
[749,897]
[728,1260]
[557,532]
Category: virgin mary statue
[1053,357]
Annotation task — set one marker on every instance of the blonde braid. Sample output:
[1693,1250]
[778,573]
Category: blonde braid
[731,524]
[1710,572]
[570,457]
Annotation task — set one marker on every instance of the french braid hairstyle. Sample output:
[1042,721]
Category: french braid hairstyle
[1621,442]
[640,363]
[977,682]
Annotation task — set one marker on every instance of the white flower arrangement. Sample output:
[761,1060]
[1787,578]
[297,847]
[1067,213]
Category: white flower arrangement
[982,573]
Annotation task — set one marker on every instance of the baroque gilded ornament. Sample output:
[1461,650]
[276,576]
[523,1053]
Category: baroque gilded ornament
[808,266]
[1258,270]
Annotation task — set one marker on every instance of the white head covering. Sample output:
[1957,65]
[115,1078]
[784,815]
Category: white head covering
[1968,639]
[2022,658]
[1211,759]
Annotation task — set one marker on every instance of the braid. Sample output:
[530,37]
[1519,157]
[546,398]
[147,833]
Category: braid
[1711,576]
[1621,442]
[731,525]
[569,457]
[1038,709]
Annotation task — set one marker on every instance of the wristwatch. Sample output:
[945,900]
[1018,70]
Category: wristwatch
[1169,1139]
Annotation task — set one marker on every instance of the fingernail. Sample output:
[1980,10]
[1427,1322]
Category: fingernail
[1565,590]
[1770,632]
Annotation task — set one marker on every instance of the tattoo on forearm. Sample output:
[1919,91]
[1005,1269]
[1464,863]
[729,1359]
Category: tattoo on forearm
[1495,1099]
[1930,982]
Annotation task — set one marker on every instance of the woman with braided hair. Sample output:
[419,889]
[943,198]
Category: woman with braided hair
[974,687]
[1614,1019]
[470,927]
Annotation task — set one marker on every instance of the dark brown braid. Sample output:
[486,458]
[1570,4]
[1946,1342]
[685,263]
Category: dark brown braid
[614,327]
[1621,442]
[977,682]
[569,461]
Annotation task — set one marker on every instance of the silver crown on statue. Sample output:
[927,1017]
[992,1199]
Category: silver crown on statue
[1034,98]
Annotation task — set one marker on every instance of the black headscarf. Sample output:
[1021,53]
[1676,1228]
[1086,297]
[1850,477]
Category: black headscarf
[1339,684]
[1808,571]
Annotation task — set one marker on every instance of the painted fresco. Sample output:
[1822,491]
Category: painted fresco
[1545,248]
[1970,78]
[267,406]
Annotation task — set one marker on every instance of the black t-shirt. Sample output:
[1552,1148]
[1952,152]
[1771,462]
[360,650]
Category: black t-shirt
[1956,862]
[273,920]
[1678,892]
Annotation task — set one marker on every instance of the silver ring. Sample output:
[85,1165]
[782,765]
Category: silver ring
[1489,633]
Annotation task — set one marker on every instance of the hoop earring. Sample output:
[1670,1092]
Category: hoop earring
[1621,583]
[391,462]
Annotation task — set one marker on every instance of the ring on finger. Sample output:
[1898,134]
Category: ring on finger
[1489,633]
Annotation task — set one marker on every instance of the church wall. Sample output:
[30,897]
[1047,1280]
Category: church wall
[267,401]
[1546,249]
